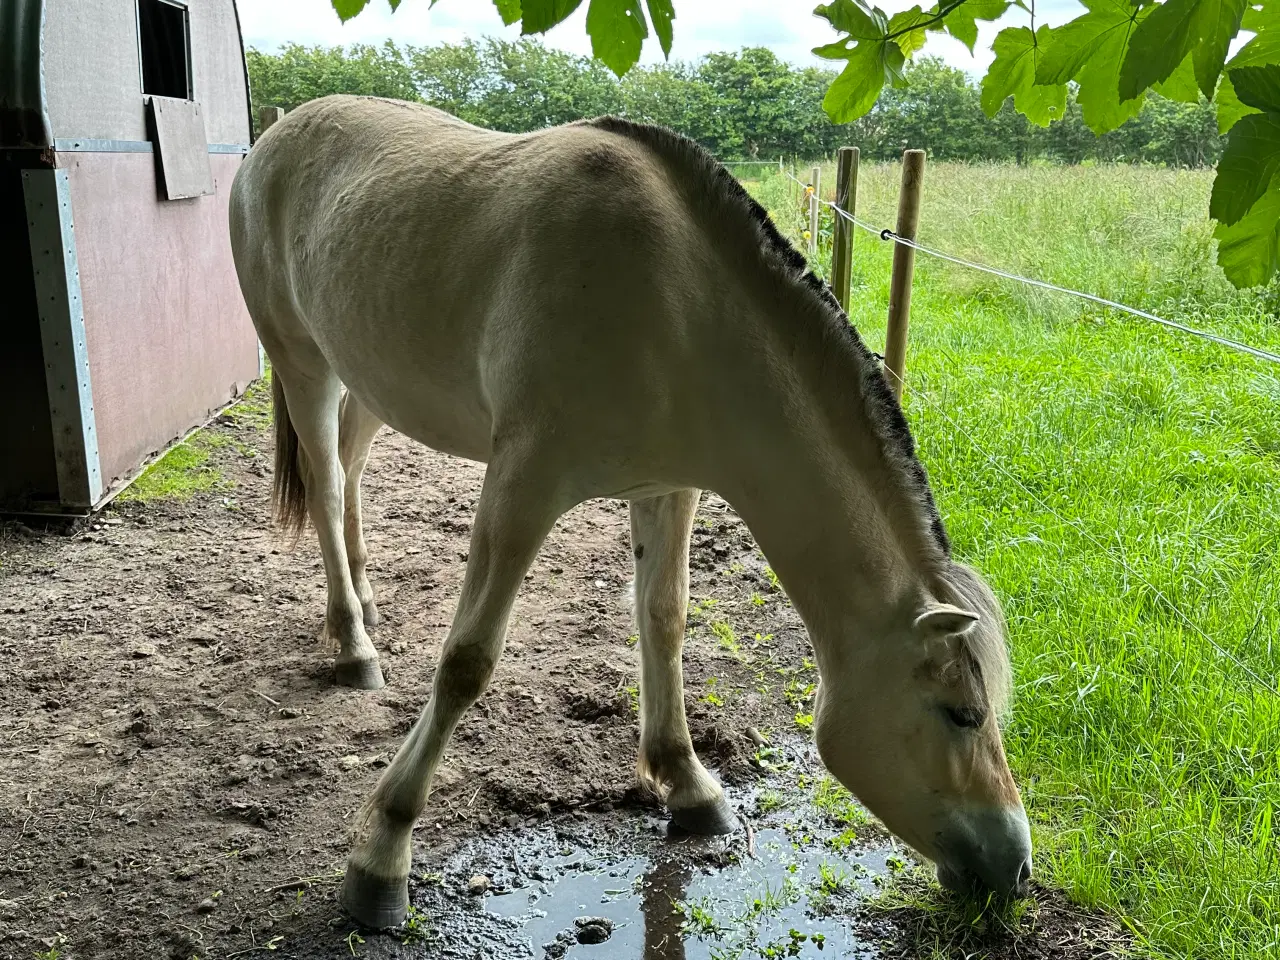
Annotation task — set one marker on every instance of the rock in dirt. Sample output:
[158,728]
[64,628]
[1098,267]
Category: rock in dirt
[478,885]
[207,905]
[593,929]
[142,650]
[349,762]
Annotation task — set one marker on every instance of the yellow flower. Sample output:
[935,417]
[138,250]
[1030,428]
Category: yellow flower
[808,235]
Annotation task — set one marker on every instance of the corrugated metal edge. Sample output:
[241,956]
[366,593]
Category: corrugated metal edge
[244,65]
[66,357]
[24,110]
[90,145]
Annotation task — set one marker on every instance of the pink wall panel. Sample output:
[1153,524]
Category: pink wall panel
[169,339]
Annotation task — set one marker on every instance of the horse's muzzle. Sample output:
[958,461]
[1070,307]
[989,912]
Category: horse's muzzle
[987,851]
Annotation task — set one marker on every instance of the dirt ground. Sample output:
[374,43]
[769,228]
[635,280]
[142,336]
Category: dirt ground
[176,761]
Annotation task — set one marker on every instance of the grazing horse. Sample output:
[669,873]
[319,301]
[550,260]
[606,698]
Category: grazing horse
[600,310]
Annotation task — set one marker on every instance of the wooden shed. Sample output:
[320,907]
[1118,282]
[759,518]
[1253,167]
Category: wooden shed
[122,123]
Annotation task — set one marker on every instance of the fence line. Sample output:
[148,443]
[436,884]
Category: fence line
[886,234]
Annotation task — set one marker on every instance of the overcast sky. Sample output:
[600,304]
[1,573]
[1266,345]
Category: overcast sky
[787,27]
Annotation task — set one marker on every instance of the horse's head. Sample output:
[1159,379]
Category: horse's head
[912,729]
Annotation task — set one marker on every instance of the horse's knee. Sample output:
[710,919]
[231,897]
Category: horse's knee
[464,671]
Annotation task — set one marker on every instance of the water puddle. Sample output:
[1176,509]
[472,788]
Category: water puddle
[620,886]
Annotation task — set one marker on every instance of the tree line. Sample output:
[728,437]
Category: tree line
[742,105]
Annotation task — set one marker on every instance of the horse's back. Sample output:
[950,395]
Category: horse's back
[454,277]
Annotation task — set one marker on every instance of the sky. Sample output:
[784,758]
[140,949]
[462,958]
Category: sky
[787,27]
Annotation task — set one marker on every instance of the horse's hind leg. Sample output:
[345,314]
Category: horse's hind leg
[517,508]
[356,429]
[313,396]
[660,529]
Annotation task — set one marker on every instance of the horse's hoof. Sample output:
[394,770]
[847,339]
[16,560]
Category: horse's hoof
[710,820]
[374,902]
[371,618]
[360,674]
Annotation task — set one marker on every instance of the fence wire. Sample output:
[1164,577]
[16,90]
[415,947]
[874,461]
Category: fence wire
[884,233]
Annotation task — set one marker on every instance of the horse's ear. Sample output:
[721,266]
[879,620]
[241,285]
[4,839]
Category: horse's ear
[944,620]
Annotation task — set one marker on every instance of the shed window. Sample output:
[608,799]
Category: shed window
[166,49]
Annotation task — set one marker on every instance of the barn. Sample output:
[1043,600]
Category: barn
[122,124]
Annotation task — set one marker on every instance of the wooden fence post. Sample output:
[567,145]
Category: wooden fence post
[267,116]
[842,229]
[813,211]
[904,263]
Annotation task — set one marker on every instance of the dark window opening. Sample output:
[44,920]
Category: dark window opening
[166,51]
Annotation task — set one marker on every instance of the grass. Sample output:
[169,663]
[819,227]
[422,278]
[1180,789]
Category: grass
[184,470]
[1090,465]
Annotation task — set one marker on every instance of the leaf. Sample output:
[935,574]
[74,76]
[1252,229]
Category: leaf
[1218,24]
[661,12]
[346,9]
[508,10]
[960,22]
[1263,49]
[617,29]
[539,16]
[1158,45]
[1249,162]
[1013,73]
[1249,250]
[1258,87]
[910,40]
[1104,30]
[851,17]
[1181,85]
[854,92]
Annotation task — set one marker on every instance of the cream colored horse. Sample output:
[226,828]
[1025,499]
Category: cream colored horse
[599,310]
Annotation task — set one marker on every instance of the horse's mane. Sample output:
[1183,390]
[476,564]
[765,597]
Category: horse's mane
[722,197]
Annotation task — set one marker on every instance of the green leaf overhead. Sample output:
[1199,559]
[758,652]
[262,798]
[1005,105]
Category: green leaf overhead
[617,29]
[661,12]
[1013,74]
[1258,87]
[854,92]
[1248,164]
[851,17]
[1218,26]
[508,10]
[539,16]
[910,37]
[961,22]
[346,9]
[1249,250]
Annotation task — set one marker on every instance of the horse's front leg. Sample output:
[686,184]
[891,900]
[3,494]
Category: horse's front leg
[516,511]
[660,530]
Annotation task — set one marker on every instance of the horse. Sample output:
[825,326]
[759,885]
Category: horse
[600,310]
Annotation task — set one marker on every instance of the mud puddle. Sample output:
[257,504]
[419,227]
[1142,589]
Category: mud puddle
[588,886]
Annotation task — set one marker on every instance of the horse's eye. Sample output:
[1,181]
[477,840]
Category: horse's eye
[968,717]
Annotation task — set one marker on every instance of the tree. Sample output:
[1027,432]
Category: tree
[1114,53]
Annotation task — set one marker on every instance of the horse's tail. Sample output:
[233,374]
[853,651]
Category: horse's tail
[289,488]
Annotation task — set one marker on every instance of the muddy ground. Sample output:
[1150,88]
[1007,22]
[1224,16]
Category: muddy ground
[178,770]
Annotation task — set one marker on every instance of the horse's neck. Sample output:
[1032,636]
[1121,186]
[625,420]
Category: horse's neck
[812,481]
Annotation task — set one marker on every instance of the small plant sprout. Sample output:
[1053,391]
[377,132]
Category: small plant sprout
[354,938]
[725,637]
[711,696]
[804,720]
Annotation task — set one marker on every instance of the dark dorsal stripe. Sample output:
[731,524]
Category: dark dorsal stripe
[883,410]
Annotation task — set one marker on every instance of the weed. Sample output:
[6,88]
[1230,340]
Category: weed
[768,801]
[354,938]
[712,696]
[415,929]
[804,721]
[725,637]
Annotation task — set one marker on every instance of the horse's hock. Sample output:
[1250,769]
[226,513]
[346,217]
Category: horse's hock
[122,125]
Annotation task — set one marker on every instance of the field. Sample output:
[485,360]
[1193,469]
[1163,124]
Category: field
[178,771]
[1119,483]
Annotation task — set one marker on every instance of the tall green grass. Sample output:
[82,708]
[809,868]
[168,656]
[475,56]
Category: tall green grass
[1091,464]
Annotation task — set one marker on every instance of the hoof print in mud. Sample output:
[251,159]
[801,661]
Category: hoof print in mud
[593,929]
